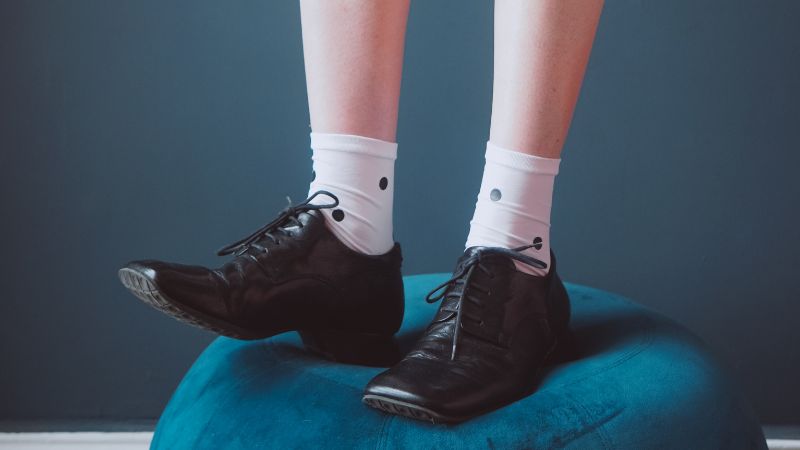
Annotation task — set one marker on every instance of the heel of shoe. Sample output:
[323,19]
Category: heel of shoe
[366,349]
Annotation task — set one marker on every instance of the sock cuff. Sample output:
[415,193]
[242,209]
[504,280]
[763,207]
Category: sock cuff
[351,143]
[521,161]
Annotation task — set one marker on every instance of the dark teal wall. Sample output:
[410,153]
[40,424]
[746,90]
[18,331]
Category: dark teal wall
[134,129]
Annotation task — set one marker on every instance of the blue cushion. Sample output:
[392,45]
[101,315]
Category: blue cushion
[639,381]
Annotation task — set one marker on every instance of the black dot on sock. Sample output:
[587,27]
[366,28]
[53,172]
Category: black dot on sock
[383,183]
[495,195]
[338,215]
[313,175]
[537,243]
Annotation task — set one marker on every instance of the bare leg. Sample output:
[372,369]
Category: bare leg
[540,52]
[353,56]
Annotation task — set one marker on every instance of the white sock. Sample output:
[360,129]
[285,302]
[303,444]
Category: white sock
[513,207]
[360,172]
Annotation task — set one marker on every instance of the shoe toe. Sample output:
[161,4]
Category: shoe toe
[390,385]
[441,391]
[413,382]
[194,287]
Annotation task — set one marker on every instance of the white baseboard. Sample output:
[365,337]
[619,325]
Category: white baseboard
[76,441]
[141,441]
[783,444]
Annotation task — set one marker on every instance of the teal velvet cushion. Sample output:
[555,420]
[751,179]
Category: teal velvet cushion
[638,381]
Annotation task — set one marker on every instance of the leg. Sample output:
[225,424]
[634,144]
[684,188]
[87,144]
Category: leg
[541,51]
[540,54]
[499,322]
[354,55]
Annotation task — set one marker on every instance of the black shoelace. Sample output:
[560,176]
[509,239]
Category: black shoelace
[463,274]
[286,218]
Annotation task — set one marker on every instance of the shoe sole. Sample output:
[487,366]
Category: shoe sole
[146,289]
[410,410]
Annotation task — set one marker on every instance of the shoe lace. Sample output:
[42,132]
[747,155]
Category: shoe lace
[455,287]
[288,216]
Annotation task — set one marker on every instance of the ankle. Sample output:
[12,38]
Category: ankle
[360,172]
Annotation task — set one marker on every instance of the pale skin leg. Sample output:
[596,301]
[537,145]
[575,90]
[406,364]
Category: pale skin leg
[541,48]
[353,53]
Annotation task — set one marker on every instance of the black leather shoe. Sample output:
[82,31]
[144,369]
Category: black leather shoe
[291,274]
[493,333]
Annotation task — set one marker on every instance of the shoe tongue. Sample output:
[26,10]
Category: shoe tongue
[290,227]
[291,223]
[467,254]
[472,250]
[491,258]
[310,216]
